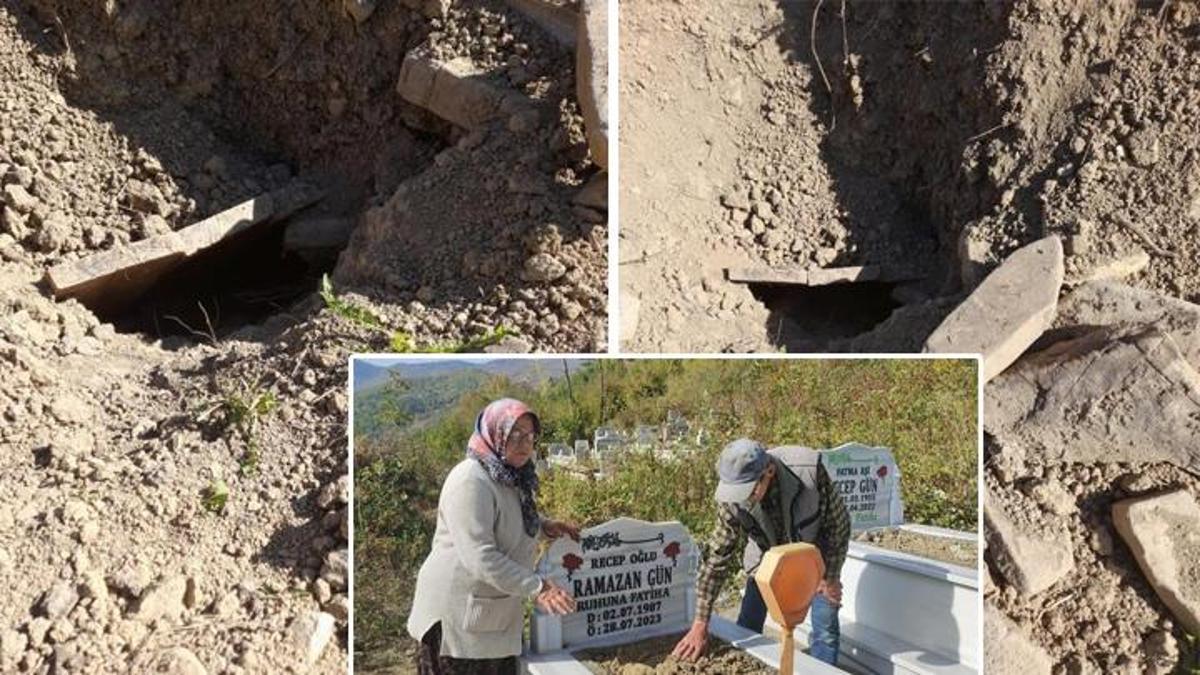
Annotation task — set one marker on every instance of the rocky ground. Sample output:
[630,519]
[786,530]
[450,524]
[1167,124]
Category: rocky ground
[175,472]
[653,656]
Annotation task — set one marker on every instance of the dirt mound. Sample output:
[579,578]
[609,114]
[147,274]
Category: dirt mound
[654,656]
[949,550]
[935,135]
[176,491]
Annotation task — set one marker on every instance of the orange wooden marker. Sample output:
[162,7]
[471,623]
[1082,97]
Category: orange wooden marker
[787,578]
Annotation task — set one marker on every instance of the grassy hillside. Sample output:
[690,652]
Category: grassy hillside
[925,411]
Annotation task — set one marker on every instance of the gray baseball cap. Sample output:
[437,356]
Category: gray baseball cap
[741,464]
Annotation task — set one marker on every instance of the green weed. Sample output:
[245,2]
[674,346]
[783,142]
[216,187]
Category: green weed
[215,496]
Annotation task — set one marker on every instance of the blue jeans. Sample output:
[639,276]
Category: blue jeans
[823,615]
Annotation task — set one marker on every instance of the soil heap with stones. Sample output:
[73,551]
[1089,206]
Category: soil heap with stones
[175,458]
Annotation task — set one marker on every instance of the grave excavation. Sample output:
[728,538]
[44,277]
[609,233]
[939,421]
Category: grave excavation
[169,485]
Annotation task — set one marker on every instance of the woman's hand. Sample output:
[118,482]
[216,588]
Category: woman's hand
[554,529]
[553,599]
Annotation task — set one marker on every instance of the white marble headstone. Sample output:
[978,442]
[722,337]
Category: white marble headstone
[869,481]
[631,580]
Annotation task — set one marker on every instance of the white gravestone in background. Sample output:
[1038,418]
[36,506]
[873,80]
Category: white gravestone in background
[869,481]
[631,580]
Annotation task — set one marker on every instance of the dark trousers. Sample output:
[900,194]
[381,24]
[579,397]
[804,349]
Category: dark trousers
[822,614]
[431,662]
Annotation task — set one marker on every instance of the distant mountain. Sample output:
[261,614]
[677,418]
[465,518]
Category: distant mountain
[369,374]
[430,387]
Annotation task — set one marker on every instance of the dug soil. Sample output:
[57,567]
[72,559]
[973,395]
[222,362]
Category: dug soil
[650,657]
[174,473]
[933,137]
[945,549]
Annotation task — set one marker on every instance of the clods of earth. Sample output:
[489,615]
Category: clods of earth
[653,657]
[945,549]
[175,471]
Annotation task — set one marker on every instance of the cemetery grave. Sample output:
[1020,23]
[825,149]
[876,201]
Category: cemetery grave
[904,612]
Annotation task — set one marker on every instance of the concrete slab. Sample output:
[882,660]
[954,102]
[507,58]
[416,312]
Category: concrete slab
[819,276]
[1030,563]
[1107,303]
[454,90]
[1006,313]
[111,279]
[1118,394]
[1163,531]
[591,75]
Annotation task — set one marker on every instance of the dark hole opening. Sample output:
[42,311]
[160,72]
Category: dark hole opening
[235,283]
[808,318]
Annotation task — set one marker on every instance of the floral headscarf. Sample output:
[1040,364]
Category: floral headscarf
[486,445]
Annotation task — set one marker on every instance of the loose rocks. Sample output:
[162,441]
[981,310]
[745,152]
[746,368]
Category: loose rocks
[1008,311]
[1030,563]
[310,633]
[1163,531]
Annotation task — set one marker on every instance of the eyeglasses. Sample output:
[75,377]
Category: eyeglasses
[518,436]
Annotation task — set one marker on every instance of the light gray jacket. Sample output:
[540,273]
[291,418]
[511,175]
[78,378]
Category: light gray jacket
[480,570]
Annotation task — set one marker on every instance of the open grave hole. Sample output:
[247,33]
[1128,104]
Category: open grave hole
[803,317]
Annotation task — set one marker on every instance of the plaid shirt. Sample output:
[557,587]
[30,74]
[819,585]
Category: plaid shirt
[728,540]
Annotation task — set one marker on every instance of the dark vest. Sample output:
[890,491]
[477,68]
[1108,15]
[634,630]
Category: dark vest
[799,502]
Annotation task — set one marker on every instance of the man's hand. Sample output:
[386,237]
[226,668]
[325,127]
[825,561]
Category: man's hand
[554,529]
[691,646]
[553,599]
[832,590]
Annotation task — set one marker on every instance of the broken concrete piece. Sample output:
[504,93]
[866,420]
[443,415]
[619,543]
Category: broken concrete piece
[1031,564]
[116,278]
[1121,394]
[1008,650]
[1163,531]
[1013,306]
[819,276]
[557,20]
[310,633]
[454,90]
[1107,303]
[591,76]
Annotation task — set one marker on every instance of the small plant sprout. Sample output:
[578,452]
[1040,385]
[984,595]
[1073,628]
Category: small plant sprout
[215,496]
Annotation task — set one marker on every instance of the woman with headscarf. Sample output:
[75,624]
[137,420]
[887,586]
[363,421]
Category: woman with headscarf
[468,606]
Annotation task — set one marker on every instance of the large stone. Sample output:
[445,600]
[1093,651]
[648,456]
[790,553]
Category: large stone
[164,600]
[454,90]
[1116,394]
[1031,563]
[591,76]
[178,661]
[1163,531]
[1008,650]
[1013,306]
[1118,267]
[310,633]
[335,569]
